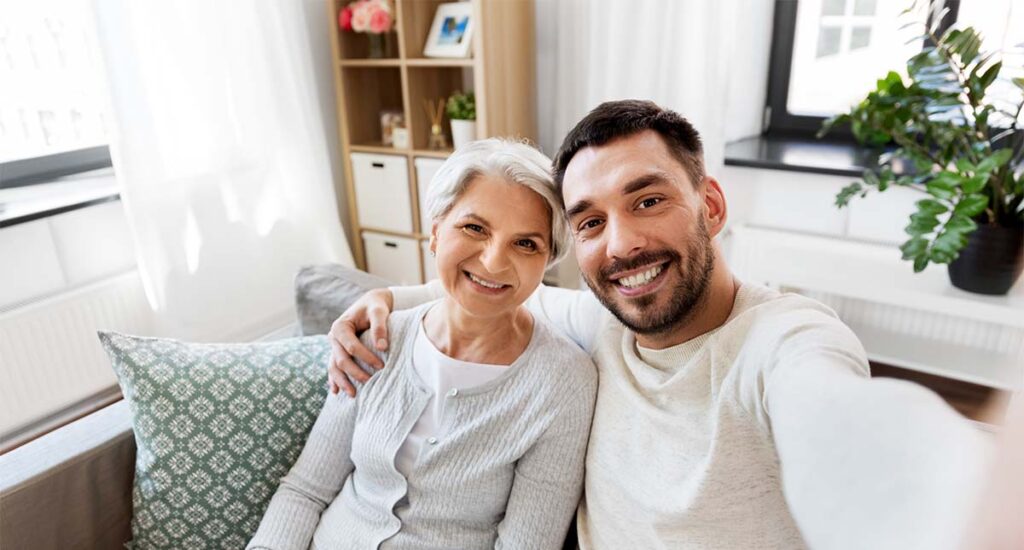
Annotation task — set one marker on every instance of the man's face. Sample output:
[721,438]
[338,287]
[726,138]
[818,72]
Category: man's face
[641,239]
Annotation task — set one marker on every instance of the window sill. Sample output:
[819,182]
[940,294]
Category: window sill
[802,155]
[24,204]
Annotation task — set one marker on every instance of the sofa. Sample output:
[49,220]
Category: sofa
[72,488]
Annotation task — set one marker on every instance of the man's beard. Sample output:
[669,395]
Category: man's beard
[695,277]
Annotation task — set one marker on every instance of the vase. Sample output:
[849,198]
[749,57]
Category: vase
[378,46]
[463,131]
[992,260]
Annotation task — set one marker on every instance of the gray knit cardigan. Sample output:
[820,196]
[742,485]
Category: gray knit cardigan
[506,471]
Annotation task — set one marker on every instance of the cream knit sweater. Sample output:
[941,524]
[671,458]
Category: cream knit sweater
[765,433]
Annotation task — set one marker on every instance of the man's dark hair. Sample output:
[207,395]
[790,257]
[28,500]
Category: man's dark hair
[614,119]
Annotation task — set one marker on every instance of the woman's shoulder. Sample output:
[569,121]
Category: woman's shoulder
[559,355]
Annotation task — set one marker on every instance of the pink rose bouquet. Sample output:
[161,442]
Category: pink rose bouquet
[370,16]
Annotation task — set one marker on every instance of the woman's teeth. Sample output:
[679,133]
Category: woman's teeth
[482,282]
[641,279]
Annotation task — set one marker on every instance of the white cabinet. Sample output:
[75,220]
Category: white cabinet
[425,170]
[397,259]
[382,192]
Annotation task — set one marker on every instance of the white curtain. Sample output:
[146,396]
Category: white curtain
[222,158]
[706,59]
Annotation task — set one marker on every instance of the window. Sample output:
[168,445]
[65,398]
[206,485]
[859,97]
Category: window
[51,101]
[827,54]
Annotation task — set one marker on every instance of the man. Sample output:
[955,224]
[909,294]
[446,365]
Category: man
[728,415]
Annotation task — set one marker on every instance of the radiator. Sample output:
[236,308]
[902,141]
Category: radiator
[916,321]
[50,359]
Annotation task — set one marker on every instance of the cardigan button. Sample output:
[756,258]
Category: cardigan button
[453,392]
[432,440]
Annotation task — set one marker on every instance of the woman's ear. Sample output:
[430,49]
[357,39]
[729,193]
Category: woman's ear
[432,245]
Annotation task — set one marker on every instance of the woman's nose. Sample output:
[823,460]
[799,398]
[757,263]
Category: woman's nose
[494,258]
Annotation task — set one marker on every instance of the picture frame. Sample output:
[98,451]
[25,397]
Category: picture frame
[451,33]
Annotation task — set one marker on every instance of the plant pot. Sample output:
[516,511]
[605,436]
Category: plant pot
[463,131]
[992,260]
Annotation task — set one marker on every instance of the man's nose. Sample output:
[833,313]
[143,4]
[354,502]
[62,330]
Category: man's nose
[624,239]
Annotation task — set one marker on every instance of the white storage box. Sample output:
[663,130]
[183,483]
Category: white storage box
[382,192]
[397,259]
[429,262]
[425,170]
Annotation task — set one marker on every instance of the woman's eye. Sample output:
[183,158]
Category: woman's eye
[526,243]
[474,228]
[648,203]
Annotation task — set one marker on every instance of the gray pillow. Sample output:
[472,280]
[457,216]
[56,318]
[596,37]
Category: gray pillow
[216,427]
[324,292]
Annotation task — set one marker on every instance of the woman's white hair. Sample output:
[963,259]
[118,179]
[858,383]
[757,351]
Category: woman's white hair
[514,161]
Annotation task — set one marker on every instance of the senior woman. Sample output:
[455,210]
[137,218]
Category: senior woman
[474,433]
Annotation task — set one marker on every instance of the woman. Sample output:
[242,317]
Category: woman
[474,434]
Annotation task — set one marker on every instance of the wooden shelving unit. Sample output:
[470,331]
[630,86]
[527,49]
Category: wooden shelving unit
[500,72]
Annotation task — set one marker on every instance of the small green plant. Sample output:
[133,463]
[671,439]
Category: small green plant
[461,106]
[965,149]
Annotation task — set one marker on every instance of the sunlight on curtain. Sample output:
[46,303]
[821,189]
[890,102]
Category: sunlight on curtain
[222,160]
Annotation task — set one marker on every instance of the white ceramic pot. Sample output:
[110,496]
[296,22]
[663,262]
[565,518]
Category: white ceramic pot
[463,131]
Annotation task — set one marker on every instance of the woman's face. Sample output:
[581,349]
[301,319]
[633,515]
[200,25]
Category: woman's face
[492,246]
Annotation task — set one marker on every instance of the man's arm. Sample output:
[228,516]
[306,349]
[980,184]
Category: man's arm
[574,313]
[869,463]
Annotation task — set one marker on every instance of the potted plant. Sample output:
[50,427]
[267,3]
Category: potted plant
[959,147]
[373,17]
[461,111]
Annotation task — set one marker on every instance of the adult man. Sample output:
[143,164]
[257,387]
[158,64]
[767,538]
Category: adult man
[728,415]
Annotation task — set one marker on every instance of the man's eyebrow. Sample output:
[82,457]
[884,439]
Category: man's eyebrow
[644,181]
[578,208]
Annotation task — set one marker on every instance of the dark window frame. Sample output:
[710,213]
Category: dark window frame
[779,122]
[46,168]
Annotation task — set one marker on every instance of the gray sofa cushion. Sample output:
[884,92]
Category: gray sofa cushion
[323,292]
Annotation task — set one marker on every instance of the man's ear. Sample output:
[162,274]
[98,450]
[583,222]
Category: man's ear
[716,211]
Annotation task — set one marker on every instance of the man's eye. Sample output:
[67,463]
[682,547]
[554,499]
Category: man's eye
[648,203]
[589,224]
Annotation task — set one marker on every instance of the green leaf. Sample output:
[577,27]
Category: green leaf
[974,183]
[964,165]
[995,160]
[914,247]
[959,222]
[970,206]
[920,263]
[989,76]
[931,206]
[921,224]
[847,193]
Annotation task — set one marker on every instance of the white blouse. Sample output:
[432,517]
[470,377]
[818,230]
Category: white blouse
[442,375]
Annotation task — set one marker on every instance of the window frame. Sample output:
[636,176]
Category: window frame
[778,121]
[46,168]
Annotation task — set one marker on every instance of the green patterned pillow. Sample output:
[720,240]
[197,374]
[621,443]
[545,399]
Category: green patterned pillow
[216,427]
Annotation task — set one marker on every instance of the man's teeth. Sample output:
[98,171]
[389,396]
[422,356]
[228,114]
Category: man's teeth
[641,279]
[482,282]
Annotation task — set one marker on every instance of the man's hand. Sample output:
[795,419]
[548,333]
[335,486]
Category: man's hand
[370,311]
